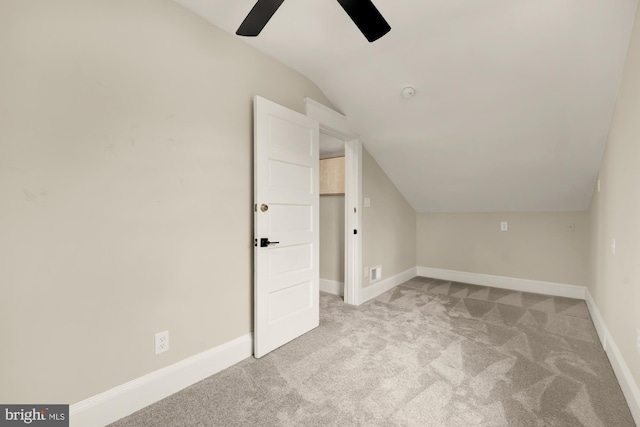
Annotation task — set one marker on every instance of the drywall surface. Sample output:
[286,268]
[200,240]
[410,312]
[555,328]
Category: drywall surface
[549,247]
[388,224]
[332,238]
[615,214]
[126,194]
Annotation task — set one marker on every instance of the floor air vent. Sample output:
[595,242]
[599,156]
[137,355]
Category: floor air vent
[376,273]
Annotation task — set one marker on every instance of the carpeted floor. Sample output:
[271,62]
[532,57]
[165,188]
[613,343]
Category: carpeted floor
[426,353]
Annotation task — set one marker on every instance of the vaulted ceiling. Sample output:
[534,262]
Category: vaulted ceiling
[513,97]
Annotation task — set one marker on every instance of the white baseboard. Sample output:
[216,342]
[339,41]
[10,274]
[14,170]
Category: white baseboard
[382,286]
[512,283]
[332,287]
[110,406]
[625,378]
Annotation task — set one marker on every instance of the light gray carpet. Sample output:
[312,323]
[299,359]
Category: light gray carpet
[427,353]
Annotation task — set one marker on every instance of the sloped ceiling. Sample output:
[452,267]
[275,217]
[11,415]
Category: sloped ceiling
[514,97]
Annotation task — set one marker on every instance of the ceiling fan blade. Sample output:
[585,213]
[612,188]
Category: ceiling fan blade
[258,17]
[366,17]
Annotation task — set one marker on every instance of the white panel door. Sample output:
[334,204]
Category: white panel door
[286,197]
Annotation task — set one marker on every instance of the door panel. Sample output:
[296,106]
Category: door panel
[286,135]
[291,218]
[289,177]
[286,196]
[290,259]
[290,301]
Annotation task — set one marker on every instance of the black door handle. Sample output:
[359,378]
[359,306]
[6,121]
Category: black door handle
[264,242]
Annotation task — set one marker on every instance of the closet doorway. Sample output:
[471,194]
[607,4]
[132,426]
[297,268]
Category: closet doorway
[340,213]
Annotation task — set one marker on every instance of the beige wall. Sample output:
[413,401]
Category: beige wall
[615,213]
[537,246]
[332,238]
[126,194]
[388,226]
[125,189]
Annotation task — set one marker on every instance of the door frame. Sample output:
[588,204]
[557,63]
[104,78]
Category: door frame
[335,124]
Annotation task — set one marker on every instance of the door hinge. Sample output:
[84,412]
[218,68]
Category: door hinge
[355,231]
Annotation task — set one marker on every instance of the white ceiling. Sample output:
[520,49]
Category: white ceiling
[514,97]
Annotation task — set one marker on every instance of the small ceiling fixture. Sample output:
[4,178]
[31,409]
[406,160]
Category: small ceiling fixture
[408,92]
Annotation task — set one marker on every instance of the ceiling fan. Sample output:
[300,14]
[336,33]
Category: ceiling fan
[362,12]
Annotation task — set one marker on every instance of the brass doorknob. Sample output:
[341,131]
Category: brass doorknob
[264,207]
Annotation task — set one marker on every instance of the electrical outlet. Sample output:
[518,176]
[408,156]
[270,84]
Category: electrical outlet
[572,227]
[504,226]
[162,342]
